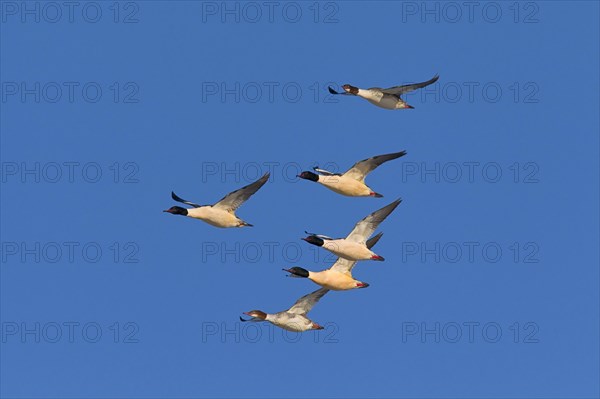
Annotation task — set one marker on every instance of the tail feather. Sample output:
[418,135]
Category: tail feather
[373,240]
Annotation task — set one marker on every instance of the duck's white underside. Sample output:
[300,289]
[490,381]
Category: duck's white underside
[334,280]
[346,186]
[215,216]
[290,322]
[387,101]
[348,250]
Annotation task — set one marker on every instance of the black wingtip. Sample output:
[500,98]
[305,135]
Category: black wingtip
[176,198]
[377,195]
[242,319]
[393,205]
[331,90]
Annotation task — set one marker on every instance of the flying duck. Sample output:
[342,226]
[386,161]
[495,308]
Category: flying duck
[352,182]
[385,98]
[354,247]
[339,276]
[221,214]
[293,319]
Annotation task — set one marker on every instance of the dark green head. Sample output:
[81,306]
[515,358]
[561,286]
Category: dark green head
[297,272]
[177,210]
[309,176]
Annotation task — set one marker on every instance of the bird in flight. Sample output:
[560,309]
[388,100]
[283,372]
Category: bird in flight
[354,246]
[221,214]
[352,182]
[385,98]
[293,319]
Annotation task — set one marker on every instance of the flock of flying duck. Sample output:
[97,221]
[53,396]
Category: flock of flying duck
[357,246]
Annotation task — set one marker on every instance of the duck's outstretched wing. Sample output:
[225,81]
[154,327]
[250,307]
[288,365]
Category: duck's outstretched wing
[325,172]
[306,303]
[363,229]
[235,199]
[399,90]
[176,198]
[321,236]
[361,169]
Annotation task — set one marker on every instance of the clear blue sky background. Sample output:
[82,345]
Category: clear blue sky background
[177,290]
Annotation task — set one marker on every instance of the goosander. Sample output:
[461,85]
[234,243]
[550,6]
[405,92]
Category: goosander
[354,247]
[352,182]
[221,214]
[385,98]
[293,319]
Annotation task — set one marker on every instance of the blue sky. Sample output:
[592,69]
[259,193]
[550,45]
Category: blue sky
[490,284]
